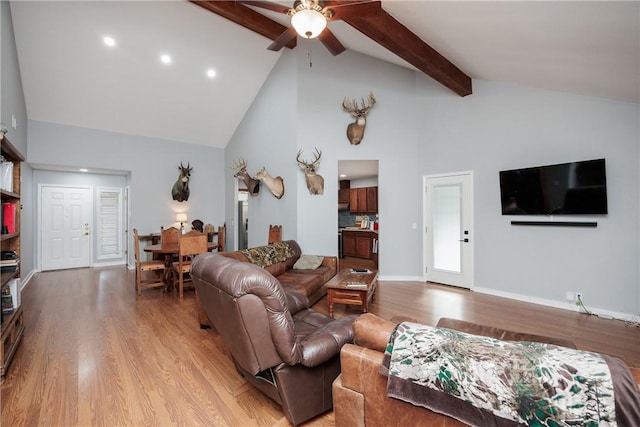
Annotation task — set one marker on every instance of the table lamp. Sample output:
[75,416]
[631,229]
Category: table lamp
[181,218]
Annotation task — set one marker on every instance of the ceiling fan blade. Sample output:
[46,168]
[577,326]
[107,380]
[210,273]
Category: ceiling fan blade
[282,40]
[267,5]
[331,42]
[354,10]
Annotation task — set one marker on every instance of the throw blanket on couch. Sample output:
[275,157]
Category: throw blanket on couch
[483,381]
[264,256]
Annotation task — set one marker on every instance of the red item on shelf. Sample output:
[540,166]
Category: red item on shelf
[9,217]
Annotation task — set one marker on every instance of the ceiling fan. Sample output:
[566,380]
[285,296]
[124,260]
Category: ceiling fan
[309,19]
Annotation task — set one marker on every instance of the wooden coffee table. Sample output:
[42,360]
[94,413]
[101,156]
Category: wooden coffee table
[339,292]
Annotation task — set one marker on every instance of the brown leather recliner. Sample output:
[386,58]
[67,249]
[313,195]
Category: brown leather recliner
[288,351]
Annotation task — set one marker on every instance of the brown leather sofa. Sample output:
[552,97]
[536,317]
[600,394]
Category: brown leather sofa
[278,344]
[279,258]
[359,393]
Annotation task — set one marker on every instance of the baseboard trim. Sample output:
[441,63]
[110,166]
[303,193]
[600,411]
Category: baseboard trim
[401,278]
[558,304]
[24,281]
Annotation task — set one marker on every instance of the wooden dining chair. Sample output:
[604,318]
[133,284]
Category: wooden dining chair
[222,238]
[190,245]
[275,234]
[209,230]
[169,236]
[157,266]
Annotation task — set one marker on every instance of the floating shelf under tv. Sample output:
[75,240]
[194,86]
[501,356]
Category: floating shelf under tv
[558,223]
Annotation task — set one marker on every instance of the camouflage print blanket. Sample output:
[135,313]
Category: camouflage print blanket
[487,382]
[267,255]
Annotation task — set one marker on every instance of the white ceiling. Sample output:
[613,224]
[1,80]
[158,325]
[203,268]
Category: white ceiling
[70,77]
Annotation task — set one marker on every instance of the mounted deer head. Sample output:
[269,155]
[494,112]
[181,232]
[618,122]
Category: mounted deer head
[180,190]
[253,185]
[275,185]
[315,183]
[355,130]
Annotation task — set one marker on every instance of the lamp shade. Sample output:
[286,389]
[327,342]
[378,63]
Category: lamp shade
[181,217]
[308,23]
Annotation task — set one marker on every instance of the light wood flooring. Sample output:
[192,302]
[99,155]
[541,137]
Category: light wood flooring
[94,354]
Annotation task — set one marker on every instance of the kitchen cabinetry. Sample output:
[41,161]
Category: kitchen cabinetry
[12,324]
[372,199]
[343,191]
[360,244]
[344,195]
[363,200]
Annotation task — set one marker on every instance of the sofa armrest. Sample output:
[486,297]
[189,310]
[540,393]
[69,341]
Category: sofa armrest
[326,342]
[636,375]
[296,301]
[331,262]
[372,331]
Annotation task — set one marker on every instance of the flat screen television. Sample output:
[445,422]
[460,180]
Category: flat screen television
[576,188]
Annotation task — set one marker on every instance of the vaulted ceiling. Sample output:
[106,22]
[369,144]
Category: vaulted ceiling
[70,77]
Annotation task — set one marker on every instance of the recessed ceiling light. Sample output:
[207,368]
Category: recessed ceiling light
[211,73]
[343,175]
[166,59]
[109,41]
[84,170]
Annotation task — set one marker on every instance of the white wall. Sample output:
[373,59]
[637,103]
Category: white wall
[418,128]
[152,164]
[300,107]
[12,104]
[502,127]
[266,137]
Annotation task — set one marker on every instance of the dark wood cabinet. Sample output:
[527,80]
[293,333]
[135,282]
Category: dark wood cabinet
[363,245]
[344,195]
[359,244]
[349,243]
[353,200]
[363,200]
[372,199]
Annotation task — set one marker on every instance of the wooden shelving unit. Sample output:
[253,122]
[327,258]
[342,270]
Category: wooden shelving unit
[12,324]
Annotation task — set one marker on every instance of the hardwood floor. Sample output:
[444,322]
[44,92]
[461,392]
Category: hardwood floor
[95,354]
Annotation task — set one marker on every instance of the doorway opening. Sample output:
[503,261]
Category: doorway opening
[358,197]
[243,219]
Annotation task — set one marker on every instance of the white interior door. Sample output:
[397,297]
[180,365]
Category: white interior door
[448,229]
[66,214]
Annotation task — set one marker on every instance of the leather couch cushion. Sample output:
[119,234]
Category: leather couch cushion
[306,283]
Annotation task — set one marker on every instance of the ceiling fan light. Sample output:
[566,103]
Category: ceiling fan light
[308,23]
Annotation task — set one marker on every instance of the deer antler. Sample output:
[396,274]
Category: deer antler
[349,105]
[352,106]
[239,164]
[317,154]
[302,162]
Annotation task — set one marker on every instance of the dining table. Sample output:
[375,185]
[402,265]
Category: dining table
[168,251]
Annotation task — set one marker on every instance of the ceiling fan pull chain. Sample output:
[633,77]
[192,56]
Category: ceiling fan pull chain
[309,56]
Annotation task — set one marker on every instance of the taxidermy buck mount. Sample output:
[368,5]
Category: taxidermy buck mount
[315,182]
[275,185]
[253,185]
[355,130]
[180,190]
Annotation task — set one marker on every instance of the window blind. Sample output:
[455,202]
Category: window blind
[109,223]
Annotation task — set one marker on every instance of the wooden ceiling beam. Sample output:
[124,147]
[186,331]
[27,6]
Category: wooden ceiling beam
[391,34]
[245,16]
[381,28]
